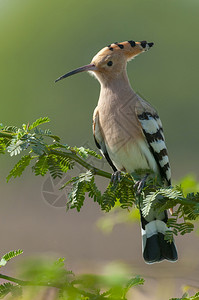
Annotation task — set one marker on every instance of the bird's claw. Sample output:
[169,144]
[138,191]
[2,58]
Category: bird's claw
[139,185]
[116,177]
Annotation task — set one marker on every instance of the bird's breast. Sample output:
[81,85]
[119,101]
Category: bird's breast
[118,122]
[123,136]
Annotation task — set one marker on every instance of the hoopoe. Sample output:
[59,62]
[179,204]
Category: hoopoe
[128,131]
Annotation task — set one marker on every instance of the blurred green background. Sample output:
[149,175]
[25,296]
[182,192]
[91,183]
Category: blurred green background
[43,39]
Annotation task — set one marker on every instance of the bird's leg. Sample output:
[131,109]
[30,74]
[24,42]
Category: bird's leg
[140,184]
[116,177]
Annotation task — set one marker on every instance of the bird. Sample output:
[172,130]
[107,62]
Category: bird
[129,133]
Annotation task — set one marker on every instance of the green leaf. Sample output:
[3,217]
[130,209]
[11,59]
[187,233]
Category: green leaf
[93,191]
[20,166]
[81,185]
[11,129]
[46,132]
[5,258]
[83,152]
[3,145]
[185,227]
[65,164]
[132,283]
[41,166]
[148,201]
[93,153]
[38,122]
[121,191]
[54,166]
[167,193]
[109,198]
[55,137]
[5,289]
[60,262]
[38,146]
[15,147]
[126,195]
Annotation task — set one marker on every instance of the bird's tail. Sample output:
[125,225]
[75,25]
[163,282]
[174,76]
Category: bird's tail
[155,248]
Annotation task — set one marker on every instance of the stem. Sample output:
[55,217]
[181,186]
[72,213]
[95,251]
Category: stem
[18,281]
[28,283]
[86,165]
[4,134]
[47,284]
[187,202]
[82,162]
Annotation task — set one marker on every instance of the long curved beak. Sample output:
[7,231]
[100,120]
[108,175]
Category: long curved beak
[90,67]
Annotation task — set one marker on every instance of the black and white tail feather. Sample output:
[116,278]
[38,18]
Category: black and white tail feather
[155,248]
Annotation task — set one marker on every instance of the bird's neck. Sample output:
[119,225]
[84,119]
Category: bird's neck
[116,89]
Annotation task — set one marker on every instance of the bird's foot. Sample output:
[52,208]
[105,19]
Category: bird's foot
[139,185]
[116,177]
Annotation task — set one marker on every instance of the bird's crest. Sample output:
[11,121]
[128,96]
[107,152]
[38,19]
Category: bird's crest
[129,48]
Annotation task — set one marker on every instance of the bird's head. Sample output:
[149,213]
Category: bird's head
[111,61]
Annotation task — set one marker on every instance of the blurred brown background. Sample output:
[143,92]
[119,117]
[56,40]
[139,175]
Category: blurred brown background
[41,40]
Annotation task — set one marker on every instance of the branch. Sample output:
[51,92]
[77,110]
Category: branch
[4,134]
[64,286]
[12,279]
[82,162]
[94,170]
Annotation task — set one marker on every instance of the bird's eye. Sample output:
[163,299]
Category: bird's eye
[109,63]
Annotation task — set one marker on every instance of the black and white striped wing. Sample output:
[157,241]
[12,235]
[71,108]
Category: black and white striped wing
[153,132]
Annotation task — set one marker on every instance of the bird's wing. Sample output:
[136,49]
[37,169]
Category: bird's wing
[99,140]
[153,132]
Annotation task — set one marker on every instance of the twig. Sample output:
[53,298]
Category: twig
[47,284]
[8,135]
[94,170]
